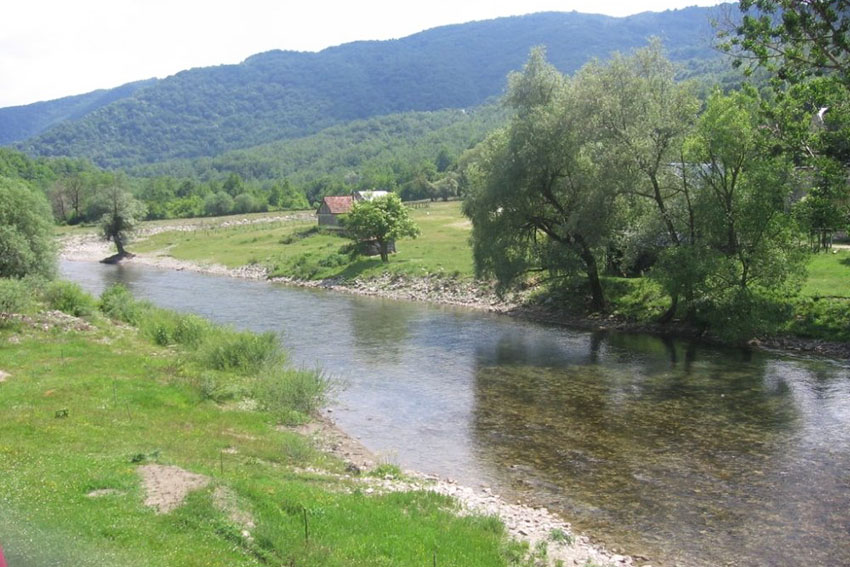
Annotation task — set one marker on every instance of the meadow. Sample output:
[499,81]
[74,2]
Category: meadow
[92,395]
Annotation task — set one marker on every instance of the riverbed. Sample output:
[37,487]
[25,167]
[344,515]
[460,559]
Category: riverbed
[672,450]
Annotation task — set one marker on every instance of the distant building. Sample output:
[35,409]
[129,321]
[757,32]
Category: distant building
[332,207]
[369,195]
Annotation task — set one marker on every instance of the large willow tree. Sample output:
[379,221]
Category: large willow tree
[541,199]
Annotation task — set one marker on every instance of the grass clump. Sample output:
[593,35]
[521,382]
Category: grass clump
[69,298]
[292,395]
[243,352]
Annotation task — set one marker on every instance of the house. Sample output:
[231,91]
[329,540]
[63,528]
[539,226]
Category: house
[369,195]
[332,207]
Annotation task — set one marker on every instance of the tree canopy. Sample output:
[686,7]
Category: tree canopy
[27,246]
[383,220]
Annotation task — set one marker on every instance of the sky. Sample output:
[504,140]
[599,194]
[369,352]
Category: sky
[55,48]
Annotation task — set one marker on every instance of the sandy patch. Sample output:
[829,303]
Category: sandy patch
[4,376]
[167,486]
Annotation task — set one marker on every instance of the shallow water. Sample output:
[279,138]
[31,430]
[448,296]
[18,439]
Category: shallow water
[679,452]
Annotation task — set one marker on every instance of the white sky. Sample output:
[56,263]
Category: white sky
[55,48]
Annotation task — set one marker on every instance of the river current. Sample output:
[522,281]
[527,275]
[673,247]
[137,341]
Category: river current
[680,452]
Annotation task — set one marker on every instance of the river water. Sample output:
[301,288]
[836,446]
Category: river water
[680,452]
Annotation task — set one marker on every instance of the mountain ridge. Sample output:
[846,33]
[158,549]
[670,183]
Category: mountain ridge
[277,95]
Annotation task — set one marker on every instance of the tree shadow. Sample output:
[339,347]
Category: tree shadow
[358,268]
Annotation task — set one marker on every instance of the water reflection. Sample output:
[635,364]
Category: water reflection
[698,453]
[678,451]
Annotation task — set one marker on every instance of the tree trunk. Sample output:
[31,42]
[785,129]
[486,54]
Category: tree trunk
[120,246]
[385,256]
[597,295]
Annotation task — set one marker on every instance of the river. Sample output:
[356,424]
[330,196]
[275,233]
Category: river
[680,452]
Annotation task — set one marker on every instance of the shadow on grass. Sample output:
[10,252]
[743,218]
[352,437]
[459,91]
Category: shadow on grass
[358,268]
[845,262]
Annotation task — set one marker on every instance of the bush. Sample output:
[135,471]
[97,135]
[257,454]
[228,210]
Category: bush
[26,232]
[242,352]
[69,298]
[167,327]
[15,296]
[291,395]
[116,302]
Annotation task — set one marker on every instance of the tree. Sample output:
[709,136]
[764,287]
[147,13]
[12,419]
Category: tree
[26,232]
[383,220]
[745,260]
[121,217]
[794,39]
[539,197]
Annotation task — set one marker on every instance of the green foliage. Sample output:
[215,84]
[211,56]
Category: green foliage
[121,216]
[15,296]
[821,318]
[204,112]
[242,352]
[539,198]
[792,39]
[26,233]
[292,395]
[69,298]
[383,220]
[118,303]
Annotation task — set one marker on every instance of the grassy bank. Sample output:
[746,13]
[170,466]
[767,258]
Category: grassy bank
[299,249]
[88,401]
[296,248]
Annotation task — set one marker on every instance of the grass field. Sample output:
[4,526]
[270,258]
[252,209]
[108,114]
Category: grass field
[298,249]
[84,407]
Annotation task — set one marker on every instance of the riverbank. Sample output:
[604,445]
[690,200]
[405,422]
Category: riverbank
[440,290]
[218,451]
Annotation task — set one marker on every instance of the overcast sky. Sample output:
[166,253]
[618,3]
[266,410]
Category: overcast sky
[55,48]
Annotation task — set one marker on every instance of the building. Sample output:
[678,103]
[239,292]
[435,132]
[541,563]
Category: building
[331,208]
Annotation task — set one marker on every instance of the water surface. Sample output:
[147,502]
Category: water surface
[680,452]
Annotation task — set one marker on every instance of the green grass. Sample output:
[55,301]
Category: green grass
[829,274]
[296,249]
[83,409]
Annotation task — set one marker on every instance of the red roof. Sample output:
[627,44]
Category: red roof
[337,205]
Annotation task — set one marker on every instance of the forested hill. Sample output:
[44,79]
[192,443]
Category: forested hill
[279,95]
[21,122]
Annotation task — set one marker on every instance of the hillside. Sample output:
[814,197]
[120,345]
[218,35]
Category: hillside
[21,122]
[280,95]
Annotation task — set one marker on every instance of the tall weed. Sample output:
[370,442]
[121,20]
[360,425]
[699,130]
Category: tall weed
[242,352]
[291,394]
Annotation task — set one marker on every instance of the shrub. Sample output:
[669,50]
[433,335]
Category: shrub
[15,296]
[290,394]
[26,232]
[69,298]
[116,302]
[243,352]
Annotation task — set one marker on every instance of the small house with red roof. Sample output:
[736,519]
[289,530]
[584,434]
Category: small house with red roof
[331,208]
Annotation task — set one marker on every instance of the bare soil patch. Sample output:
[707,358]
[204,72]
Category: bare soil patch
[167,486]
[4,376]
